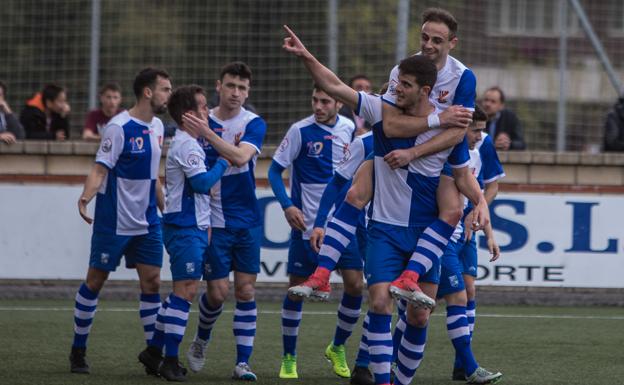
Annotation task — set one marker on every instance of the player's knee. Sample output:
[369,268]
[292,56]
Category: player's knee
[354,287]
[471,292]
[355,198]
[456,299]
[151,283]
[451,214]
[380,305]
[245,292]
[417,317]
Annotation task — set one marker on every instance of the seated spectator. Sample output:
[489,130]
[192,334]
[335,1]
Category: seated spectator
[10,128]
[614,128]
[503,125]
[359,83]
[110,102]
[45,115]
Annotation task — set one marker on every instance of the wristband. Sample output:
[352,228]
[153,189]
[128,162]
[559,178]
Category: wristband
[433,120]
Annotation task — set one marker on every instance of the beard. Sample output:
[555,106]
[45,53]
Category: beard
[158,109]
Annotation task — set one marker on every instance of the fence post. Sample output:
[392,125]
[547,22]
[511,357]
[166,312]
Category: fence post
[402,29]
[332,34]
[94,65]
[563,55]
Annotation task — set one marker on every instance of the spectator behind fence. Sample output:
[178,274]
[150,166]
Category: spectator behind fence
[503,125]
[110,102]
[614,128]
[45,115]
[359,83]
[10,128]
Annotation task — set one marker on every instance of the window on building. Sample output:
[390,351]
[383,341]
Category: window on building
[528,18]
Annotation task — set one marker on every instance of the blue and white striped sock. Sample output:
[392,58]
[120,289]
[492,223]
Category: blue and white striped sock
[348,315]
[84,311]
[363,359]
[410,353]
[244,328]
[430,246]
[459,334]
[158,339]
[291,318]
[399,328]
[471,313]
[207,318]
[380,346]
[338,235]
[176,318]
[148,310]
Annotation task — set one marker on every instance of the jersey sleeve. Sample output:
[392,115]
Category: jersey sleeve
[191,160]
[111,145]
[466,91]
[459,156]
[254,133]
[390,95]
[289,148]
[492,168]
[354,156]
[369,107]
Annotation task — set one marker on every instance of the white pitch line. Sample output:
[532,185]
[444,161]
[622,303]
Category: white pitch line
[277,312]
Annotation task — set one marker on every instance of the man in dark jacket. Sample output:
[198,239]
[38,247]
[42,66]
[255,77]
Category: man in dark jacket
[10,128]
[45,115]
[359,83]
[503,125]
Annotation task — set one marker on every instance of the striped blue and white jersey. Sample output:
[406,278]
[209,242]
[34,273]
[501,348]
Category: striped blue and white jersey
[406,196]
[233,200]
[313,151]
[355,155]
[130,149]
[456,85]
[183,206]
[486,167]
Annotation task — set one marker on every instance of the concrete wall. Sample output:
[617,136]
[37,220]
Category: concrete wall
[71,160]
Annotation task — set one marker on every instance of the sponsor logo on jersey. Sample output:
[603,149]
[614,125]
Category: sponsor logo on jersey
[107,145]
[442,95]
[147,132]
[330,137]
[392,87]
[315,149]
[136,145]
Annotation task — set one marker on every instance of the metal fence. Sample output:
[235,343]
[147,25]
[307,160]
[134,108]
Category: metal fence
[515,44]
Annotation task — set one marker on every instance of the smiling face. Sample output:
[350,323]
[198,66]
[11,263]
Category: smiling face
[325,107]
[435,42]
[233,91]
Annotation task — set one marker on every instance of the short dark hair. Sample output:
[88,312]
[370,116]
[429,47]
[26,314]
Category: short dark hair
[439,15]
[4,87]
[147,78]
[115,87]
[51,92]
[358,77]
[500,92]
[479,115]
[420,67]
[236,68]
[182,100]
